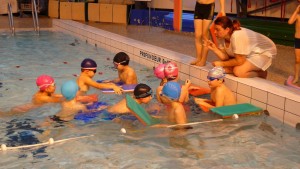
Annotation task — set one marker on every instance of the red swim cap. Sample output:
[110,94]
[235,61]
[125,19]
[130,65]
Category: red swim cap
[159,71]
[171,70]
[43,81]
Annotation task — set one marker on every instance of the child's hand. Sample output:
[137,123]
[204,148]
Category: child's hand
[188,82]
[118,90]
[199,100]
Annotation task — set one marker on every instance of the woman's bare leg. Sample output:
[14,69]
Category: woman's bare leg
[248,70]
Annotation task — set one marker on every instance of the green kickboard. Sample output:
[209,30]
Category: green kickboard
[235,109]
[140,112]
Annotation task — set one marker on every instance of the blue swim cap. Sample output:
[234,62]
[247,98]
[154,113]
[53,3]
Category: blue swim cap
[172,90]
[88,63]
[69,89]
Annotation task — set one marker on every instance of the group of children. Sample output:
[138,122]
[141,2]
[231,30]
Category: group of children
[74,97]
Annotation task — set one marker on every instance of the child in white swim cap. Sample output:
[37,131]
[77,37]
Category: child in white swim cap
[220,95]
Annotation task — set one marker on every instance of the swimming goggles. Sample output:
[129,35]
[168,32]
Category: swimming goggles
[161,94]
[47,85]
[120,63]
[212,78]
[91,69]
[143,95]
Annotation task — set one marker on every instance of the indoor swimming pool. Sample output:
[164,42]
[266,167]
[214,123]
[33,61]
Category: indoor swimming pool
[249,142]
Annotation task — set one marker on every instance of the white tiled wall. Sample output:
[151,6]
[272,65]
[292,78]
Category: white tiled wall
[282,103]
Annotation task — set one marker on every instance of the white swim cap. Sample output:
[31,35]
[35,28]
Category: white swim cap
[216,72]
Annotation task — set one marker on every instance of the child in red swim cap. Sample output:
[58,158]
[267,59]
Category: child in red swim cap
[171,75]
[45,94]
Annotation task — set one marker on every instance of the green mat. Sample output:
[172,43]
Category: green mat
[280,32]
[140,112]
[228,111]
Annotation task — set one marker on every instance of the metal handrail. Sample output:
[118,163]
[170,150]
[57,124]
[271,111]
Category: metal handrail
[10,19]
[35,17]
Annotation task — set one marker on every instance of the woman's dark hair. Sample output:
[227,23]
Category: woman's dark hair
[226,22]
[122,58]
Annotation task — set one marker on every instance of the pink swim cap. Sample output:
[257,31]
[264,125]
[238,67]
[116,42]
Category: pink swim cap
[171,70]
[43,81]
[159,71]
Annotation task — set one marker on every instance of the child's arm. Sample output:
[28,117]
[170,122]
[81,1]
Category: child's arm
[117,89]
[158,90]
[87,98]
[180,116]
[52,99]
[184,96]
[293,18]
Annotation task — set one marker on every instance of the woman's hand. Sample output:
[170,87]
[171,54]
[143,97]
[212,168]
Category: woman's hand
[217,63]
[210,45]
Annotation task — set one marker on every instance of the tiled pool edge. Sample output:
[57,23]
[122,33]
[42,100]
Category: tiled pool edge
[281,103]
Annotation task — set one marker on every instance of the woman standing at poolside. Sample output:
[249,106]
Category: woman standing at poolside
[204,13]
[243,52]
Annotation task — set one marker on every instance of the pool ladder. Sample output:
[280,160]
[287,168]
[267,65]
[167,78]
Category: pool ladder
[10,19]
[35,17]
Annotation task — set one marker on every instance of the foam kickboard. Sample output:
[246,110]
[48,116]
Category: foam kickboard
[141,114]
[126,88]
[239,109]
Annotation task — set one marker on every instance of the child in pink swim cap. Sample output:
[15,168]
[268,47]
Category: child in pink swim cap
[171,75]
[159,72]
[45,94]
[44,81]
[171,71]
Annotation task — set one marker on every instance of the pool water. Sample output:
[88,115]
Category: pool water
[249,142]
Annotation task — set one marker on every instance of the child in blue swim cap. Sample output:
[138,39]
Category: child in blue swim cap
[71,106]
[220,95]
[126,74]
[88,71]
[170,95]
